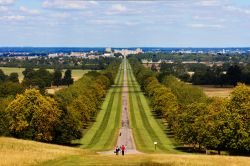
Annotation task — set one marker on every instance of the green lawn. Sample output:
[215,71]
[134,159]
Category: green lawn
[146,129]
[103,134]
[76,73]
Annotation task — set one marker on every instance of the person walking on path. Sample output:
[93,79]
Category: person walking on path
[117,149]
[123,148]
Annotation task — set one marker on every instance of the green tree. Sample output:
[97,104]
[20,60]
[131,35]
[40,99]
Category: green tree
[13,77]
[57,77]
[67,79]
[3,77]
[239,107]
[33,116]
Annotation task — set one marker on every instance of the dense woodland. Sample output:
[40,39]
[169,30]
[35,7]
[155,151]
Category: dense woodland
[29,113]
[227,74]
[179,57]
[233,68]
[57,63]
[221,124]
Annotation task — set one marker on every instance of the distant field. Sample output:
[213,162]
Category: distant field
[212,91]
[76,73]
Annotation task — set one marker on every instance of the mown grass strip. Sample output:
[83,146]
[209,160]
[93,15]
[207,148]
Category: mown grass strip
[104,124]
[93,135]
[151,125]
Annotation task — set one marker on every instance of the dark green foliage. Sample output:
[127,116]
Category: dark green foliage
[57,77]
[3,77]
[67,79]
[40,78]
[13,77]
[10,89]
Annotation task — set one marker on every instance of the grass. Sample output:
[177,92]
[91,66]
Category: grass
[212,91]
[146,129]
[150,160]
[22,152]
[102,135]
[76,74]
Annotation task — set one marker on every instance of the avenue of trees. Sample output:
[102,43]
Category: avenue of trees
[30,114]
[221,124]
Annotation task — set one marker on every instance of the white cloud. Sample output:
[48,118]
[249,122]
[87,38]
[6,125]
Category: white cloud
[118,8]
[200,25]
[209,2]
[67,5]
[237,9]
[29,11]
[12,18]
[3,9]
[6,2]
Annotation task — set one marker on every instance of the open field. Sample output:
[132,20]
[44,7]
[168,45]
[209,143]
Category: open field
[146,129]
[102,135]
[76,74]
[212,91]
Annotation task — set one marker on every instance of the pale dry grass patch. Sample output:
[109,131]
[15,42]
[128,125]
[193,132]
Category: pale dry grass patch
[23,152]
[212,91]
[200,160]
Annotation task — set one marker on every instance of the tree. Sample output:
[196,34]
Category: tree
[234,75]
[67,79]
[57,77]
[3,77]
[33,116]
[239,107]
[13,77]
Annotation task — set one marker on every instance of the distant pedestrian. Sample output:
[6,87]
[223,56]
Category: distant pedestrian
[123,148]
[117,149]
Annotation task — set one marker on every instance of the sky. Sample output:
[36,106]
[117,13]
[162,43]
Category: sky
[113,23]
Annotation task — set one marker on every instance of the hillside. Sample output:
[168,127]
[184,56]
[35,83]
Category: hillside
[22,152]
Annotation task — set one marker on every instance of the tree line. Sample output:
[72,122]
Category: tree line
[59,118]
[221,124]
[57,63]
[227,74]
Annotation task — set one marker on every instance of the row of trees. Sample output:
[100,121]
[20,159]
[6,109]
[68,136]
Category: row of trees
[60,118]
[205,123]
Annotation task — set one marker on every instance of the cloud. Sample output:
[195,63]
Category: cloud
[12,18]
[3,9]
[6,2]
[67,5]
[200,25]
[29,11]
[116,9]
[209,2]
[237,9]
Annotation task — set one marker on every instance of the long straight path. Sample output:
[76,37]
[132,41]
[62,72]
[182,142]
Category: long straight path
[125,136]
